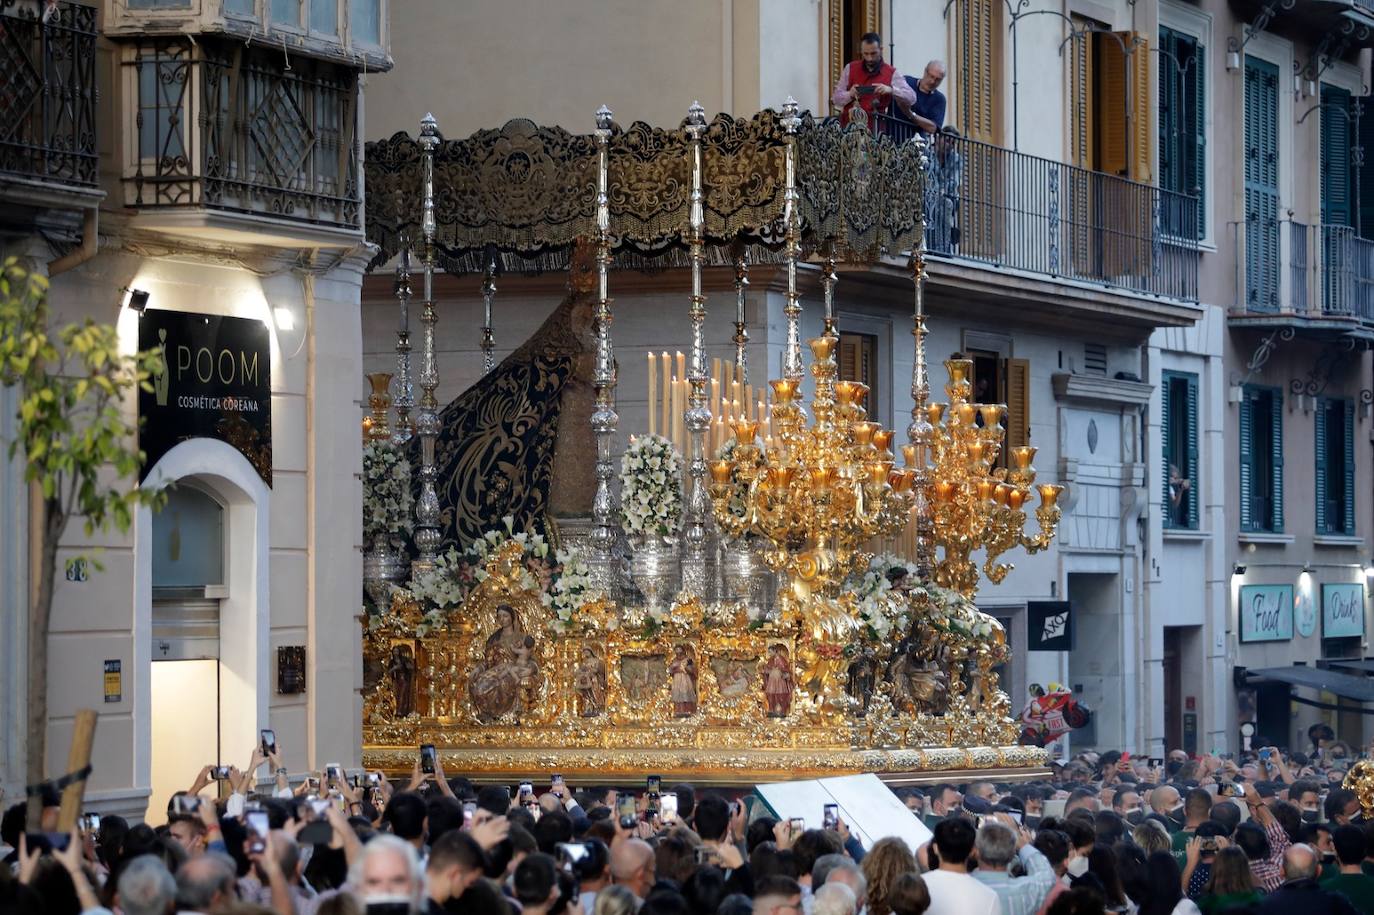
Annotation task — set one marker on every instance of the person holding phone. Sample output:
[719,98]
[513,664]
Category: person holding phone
[713,818]
[870,83]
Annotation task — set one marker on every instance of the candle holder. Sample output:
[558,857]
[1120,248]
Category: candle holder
[427,518]
[697,577]
[604,564]
[375,428]
[404,429]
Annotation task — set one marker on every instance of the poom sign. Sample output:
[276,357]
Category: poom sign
[1266,613]
[214,381]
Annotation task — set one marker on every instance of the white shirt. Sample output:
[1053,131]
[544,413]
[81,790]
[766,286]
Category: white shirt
[959,894]
[1186,906]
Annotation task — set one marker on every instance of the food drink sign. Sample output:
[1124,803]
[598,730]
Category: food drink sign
[1342,611]
[213,380]
[1266,613]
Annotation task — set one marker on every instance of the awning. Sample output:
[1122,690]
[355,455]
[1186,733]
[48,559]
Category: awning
[1355,664]
[1351,686]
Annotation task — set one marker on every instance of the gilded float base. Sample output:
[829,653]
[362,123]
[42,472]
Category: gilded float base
[629,766]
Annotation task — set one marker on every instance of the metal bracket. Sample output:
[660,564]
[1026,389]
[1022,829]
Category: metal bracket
[1265,349]
[1323,367]
[1260,23]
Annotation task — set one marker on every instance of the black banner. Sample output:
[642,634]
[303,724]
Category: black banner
[1049,625]
[215,382]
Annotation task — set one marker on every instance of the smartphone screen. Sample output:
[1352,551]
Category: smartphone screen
[219,773]
[526,790]
[796,825]
[668,805]
[629,817]
[257,822]
[572,852]
[334,771]
[831,817]
[269,741]
[653,782]
[469,811]
[427,758]
[556,781]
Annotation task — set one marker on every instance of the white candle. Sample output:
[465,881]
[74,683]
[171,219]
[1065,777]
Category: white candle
[653,391]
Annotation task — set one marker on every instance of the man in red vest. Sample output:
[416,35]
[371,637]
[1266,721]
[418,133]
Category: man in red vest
[870,83]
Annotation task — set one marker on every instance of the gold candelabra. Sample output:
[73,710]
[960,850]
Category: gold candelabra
[973,503]
[814,494]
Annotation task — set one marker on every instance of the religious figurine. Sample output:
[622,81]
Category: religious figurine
[682,672]
[918,685]
[863,673]
[508,678]
[735,681]
[589,679]
[401,670]
[778,682]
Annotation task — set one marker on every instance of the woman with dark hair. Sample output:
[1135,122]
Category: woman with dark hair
[1130,866]
[1102,864]
[1165,893]
[909,895]
[1232,884]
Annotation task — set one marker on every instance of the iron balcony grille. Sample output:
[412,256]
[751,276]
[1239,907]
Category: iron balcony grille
[230,128]
[1012,210]
[48,91]
[1330,271]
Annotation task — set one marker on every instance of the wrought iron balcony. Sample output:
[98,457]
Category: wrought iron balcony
[224,127]
[1016,211]
[48,92]
[1329,273]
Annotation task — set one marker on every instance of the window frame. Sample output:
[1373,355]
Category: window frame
[1191,446]
[1197,24]
[1250,393]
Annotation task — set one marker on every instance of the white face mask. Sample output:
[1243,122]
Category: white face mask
[1078,866]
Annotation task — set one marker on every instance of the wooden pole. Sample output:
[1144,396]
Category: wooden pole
[78,758]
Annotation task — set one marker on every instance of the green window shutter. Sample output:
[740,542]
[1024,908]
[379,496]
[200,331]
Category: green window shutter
[1182,120]
[1349,481]
[1335,157]
[1320,465]
[1166,434]
[1194,483]
[1197,127]
[1247,450]
[1261,185]
[1277,445]
[1169,126]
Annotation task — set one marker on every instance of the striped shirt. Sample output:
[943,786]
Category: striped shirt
[1021,895]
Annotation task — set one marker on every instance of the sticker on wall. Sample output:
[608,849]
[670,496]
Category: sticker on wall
[114,680]
[1305,613]
[1266,613]
[1342,611]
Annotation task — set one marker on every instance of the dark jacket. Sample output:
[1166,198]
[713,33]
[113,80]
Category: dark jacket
[1306,897]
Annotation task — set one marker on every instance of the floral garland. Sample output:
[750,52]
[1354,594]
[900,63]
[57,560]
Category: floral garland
[883,608]
[651,488]
[388,504]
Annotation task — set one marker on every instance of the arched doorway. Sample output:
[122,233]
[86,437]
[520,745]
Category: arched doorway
[201,619]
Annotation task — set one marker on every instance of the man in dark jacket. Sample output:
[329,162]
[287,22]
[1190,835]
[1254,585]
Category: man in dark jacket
[1300,891]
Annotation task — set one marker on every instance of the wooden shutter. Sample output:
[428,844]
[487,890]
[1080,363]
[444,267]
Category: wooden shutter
[979,83]
[1172,158]
[1275,443]
[1080,63]
[1247,469]
[1194,485]
[851,357]
[1320,465]
[1110,101]
[1349,482]
[1141,126]
[1197,127]
[1335,156]
[1018,402]
[1261,185]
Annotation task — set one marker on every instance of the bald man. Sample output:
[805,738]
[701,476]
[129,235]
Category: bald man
[632,866]
[1300,892]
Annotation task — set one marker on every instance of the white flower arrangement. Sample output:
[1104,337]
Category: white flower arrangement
[455,574]
[572,589]
[881,590]
[388,504]
[651,488]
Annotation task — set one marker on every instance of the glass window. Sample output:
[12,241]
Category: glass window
[158,4]
[1335,466]
[365,21]
[1261,460]
[161,88]
[1180,434]
[324,16]
[188,540]
[240,7]
[287,12]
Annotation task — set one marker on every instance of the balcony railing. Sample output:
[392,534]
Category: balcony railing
[1330,271]
[48,92]
[1022,212]
[229,128]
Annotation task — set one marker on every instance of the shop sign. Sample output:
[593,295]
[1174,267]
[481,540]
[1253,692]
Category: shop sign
[1049,625]
[1342,611]
[1266,613]
[213,380]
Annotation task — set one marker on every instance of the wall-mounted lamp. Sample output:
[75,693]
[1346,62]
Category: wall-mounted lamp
[1369,569]
[136,299]
[1306,574]
[285,318]
[1238,569]
[1233,60]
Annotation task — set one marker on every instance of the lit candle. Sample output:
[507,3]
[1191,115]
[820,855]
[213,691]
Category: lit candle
[715,391]
[681,366]
[653,391]
[665,429]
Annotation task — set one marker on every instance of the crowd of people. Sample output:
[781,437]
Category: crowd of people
[1266,832]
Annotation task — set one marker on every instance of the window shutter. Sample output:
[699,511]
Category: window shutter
[1276,411]
[1247,445]
[1170,112]
[1196,133]
[980,72]
[1320,465]
[850,357]
[1110,99]
[1166,434]
[1194,484]
[1018,403]
[1141,123]
[1261,185]
[1349,481]
[1080,53]
[1335,157]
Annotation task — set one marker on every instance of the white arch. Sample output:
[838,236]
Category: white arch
[245,623]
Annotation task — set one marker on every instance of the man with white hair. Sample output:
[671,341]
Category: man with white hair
[388,873]
[998,843]
[146,887]
[839,869]
[834,899]
[1300,891]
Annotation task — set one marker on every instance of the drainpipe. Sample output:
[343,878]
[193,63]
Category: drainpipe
[90,243]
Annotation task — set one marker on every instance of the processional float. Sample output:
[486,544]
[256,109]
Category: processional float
[723,617]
